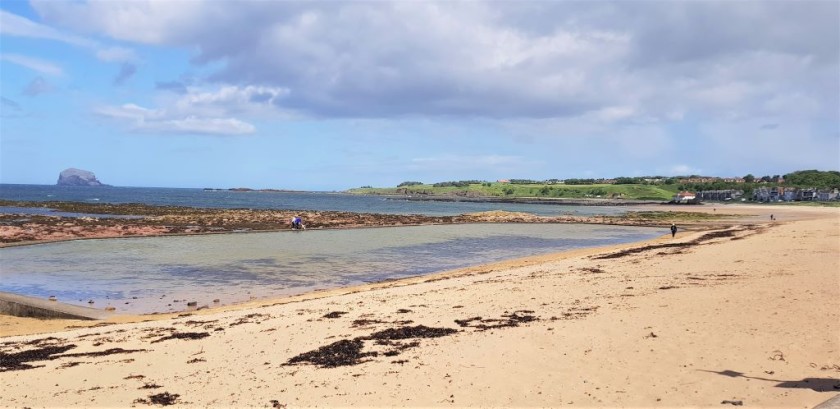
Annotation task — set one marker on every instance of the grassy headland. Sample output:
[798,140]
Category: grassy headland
[512,190]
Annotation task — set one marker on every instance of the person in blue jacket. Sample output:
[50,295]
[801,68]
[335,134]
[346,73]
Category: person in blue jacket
[296,223]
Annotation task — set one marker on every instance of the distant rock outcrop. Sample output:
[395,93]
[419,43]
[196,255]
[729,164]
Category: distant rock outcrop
[78,177]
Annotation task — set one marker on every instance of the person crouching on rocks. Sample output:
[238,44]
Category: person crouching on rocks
[296,223]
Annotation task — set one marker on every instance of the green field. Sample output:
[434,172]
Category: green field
[509,190]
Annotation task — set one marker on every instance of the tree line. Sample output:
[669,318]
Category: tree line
[803,178]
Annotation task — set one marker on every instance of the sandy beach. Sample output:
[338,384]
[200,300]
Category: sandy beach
[721,315]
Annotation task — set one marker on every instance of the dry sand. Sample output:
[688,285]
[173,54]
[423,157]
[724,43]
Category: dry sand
[749,315]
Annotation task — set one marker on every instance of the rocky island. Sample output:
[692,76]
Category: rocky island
[78,177]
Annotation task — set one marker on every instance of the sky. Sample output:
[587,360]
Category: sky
[322,95]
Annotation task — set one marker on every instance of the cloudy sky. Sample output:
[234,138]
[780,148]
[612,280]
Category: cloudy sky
[333,95]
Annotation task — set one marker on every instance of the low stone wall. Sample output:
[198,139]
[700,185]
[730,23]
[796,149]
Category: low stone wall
[23,306]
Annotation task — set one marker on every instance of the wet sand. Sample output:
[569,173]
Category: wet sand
[746,313]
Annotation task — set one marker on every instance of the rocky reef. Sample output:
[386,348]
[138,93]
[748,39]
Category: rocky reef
[78,177]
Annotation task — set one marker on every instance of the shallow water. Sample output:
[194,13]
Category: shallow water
[161,274]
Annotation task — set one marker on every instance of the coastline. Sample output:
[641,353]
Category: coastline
[747,314]
[152,221]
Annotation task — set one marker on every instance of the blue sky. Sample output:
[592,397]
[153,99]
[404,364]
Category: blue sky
[334,95]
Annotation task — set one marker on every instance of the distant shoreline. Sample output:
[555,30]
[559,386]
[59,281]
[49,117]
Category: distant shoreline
[523,200]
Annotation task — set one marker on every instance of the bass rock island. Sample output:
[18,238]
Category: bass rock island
[78,177]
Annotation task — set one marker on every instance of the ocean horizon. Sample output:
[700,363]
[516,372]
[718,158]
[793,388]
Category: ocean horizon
[282,200]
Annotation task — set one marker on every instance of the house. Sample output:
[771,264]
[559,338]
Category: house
[789,195]
[761,194]
[806,194]
[720,195]
[828,194]
[684,197]
[775,194]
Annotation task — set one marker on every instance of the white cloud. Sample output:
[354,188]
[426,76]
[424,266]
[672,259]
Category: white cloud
[35,64]
[145,120]
[194,125]
[15,25]
[231,99]
[202,110]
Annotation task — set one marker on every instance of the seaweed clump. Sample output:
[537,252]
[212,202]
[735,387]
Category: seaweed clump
[184,335]
[351,351]
[20,360]
[419,331]
[340,353]
[163,399]
[508,320]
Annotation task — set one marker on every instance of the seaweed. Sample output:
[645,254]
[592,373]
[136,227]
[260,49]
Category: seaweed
[184,335]
[106,352]
[348,352]
[19,361]
[507,320]
[335,314]
[419,331]
[163,399]
[340,353]
[698,241]
[636,250]
[365,322]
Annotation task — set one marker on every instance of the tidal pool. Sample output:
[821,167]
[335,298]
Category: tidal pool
[163,274]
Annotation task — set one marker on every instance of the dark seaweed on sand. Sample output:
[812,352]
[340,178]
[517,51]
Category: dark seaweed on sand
[335,314]
[110,351]
[163,399]
[365,322]
[636,250]
[19,360]
[349,351]
[698,241]
[184,335]
[419,331]
[339,353]
[508,320]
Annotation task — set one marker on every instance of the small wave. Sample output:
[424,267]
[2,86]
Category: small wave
[95,199]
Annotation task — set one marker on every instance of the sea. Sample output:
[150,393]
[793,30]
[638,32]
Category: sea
[323,201]
[165,274]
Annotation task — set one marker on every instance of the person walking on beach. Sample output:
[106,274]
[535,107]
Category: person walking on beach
[673,230]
